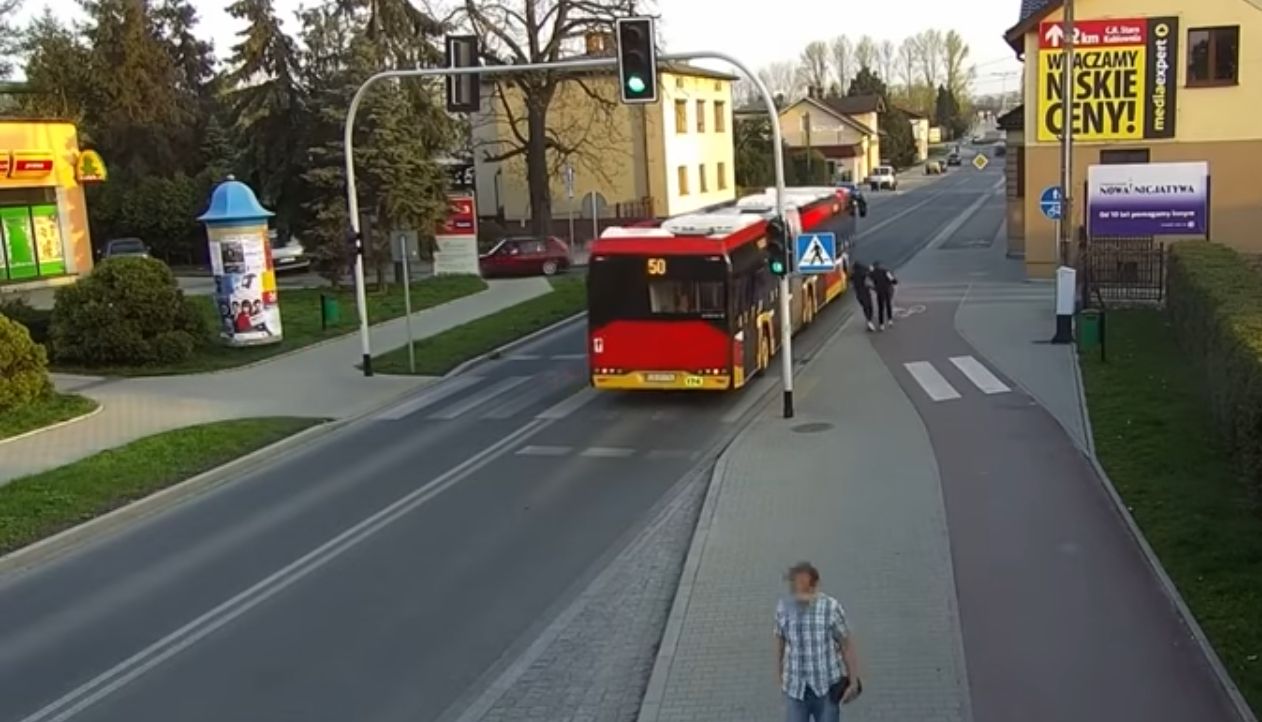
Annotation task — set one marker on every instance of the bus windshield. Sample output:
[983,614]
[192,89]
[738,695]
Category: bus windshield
[632,287]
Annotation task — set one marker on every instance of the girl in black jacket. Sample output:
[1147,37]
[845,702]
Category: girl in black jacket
[883,281]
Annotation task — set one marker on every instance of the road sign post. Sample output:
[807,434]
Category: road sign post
[403,244]
[568,173]
[980,161]
[576,65]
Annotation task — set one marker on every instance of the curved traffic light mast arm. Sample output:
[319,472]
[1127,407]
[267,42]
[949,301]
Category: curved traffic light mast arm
[570,66]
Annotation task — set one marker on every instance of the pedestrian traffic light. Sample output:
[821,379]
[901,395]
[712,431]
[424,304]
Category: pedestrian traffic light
[637,60]
[777,247]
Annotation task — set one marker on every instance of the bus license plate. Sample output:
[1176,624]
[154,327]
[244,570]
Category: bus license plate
[660,378]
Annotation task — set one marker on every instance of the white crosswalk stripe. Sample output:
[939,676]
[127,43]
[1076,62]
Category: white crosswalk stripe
[981,376]
[516,404]
[466,405]
[428,397]
[569,406]
[544,450]
[607,452]
[934,383]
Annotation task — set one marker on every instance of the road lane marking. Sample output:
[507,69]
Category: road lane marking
[607,452]
[534,450]
[934,383]
[125,672]
[524,357]
[428,398]
[668,454]
[569,406]
[569,357]
[516,404]
[483,396]
[981,376]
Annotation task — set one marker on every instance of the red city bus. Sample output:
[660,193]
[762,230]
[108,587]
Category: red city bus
[693,304]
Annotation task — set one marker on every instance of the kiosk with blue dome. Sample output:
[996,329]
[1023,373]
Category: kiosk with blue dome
[241,261]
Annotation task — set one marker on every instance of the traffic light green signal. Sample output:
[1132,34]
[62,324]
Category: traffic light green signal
[777,247]
[777,266]
[637,60]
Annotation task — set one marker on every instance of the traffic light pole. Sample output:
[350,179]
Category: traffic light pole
[571,66]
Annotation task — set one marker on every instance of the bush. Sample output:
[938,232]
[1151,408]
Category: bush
[23,367]
[1215,307]
[127,312]
[35,320]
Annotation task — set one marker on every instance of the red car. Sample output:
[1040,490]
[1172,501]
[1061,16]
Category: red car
[526,256]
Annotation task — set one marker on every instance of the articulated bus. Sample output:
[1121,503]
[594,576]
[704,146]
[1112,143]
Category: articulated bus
[693,305]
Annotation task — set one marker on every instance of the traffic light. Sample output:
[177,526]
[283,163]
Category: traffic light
[463,91]
[637,60]
[777,247]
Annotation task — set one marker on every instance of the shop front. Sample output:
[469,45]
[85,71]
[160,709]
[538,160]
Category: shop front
[43,213]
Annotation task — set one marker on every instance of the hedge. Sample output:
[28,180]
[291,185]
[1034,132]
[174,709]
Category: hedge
[23,367]
[1215,307]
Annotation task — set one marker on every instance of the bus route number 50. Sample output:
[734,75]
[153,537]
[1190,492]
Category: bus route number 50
[657,266]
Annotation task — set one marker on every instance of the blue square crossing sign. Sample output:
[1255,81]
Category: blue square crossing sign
[816,252]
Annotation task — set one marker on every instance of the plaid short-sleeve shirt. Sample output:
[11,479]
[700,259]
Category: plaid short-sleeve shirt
[811,634]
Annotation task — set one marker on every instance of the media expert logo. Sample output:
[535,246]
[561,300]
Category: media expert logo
[1123,81]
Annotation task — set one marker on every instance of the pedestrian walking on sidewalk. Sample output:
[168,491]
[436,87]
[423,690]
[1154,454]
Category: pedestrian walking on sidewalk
[883,281]
[861,279]
[815,653]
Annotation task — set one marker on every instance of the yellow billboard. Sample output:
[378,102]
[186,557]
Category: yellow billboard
[1123,80]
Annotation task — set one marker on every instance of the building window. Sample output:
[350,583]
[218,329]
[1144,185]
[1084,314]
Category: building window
[700,116]
[722,176]
[703,184]
[683,180]
[679,83]
[1213,56]
[1124,156]
[720,116]
[718,85]
[681,117]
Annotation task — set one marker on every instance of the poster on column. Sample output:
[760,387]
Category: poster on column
[245,287]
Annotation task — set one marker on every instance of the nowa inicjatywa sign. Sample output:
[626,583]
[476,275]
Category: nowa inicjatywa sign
[1124,79]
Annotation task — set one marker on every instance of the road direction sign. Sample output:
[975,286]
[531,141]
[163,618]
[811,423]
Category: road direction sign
[980,161]
[1051,202]
[816,252]
[568,173]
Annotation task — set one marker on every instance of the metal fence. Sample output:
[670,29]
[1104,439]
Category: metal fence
[1123,269]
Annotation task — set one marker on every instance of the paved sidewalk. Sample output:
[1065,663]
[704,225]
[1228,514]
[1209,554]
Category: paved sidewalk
[320,381]
[855,493]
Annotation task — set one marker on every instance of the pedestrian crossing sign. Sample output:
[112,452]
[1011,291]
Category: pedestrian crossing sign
[816,252]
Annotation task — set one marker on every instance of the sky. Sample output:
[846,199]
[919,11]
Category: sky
[746,29]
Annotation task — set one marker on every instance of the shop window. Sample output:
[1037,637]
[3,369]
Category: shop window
[31,245]
[1213,56]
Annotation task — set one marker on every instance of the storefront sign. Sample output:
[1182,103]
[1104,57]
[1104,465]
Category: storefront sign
[1124,80]
[6,163]
[457,238]
[89,168]
[31,164]
[1148,199]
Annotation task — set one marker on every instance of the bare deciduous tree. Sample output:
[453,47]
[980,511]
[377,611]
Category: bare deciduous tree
[781,78]
[886,57]
[908,62]
[813,66]
[930,45]
[540,31]
[842,59]
[865,53]
[959,74]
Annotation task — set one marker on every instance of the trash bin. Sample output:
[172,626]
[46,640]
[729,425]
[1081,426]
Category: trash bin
[1088,329]
[330,311]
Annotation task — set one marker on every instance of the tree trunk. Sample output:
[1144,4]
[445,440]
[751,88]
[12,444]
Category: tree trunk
[537,167]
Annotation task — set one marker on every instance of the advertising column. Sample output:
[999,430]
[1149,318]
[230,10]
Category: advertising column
[241,262]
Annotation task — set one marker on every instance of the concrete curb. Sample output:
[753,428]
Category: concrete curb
[51,427]
[75,536]
[1243,711]
[512,345]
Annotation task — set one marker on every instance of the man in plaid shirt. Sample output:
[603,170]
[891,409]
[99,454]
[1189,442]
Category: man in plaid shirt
[814,650]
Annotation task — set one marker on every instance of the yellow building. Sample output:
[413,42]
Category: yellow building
[1169,81]
[43,216]
[659,159]
[844,130]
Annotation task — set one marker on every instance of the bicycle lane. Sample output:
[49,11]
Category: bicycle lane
[1061,617]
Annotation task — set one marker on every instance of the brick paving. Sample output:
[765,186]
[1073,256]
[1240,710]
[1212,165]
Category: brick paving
[850,484]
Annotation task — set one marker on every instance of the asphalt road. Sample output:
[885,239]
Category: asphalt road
[378,575]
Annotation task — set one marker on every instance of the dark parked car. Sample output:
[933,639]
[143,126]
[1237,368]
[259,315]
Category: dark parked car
[856,193]
[125,247]
[526,256]
[953,159]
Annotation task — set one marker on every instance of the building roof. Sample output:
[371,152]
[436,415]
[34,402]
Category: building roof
[1032,13]
[912,113]
[831,108]
[855,105]
[1013,120]
[692,70]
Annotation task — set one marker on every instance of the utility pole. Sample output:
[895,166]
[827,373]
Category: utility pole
[1067,138]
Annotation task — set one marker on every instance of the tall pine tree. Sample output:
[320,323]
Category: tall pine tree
[270,108]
